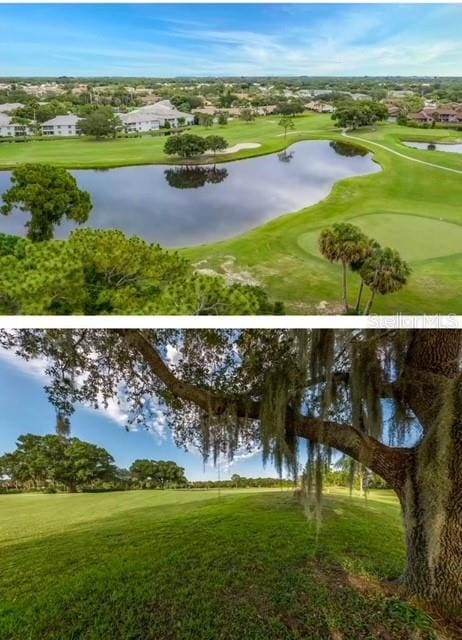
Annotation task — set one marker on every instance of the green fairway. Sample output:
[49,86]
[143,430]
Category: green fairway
[416,238]
[411,206]
[87,153]
[194,565]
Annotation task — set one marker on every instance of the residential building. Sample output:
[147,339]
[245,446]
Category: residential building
[421,117]
[319,107]
[360,97]
[139,122]
[8,107]
[447,115]
[10,129]
[400,94]
[165,112]
[393,113]
[63,126]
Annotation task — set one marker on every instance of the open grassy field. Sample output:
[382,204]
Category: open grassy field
[412,206]
[193,565]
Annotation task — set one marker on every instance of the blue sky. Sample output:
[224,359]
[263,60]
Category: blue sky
[220,39]
[24,408]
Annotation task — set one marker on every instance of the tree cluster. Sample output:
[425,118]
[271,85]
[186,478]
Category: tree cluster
[360,114]
[49,194]
[382,270]
[55,462]
[101,123]
[161,474]
[98,272]
[188,145]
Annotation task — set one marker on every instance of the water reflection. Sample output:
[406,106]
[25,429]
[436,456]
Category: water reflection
[433,146]
[286,156]
[347,150]
[194,177]
[181,208]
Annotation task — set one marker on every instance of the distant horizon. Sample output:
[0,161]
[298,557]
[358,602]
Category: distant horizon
[226,40]
[226,77]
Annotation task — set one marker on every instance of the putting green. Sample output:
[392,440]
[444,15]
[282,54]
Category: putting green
[415,237]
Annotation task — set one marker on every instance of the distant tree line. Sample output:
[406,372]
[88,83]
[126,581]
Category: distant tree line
[54,463]
[241,482]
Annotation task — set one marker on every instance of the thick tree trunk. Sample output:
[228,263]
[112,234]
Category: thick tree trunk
[431,499]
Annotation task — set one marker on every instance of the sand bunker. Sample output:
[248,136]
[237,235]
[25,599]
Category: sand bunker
[239,147]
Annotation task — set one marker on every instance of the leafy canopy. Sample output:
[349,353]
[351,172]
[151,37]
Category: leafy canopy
[360,114]
[101,123]
[186,145]
[49,194]
[104,272]
[157,473]
[256,383]
[53,458]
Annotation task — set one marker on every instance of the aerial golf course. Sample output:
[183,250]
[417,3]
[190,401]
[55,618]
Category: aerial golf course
[414,205]
[202,565]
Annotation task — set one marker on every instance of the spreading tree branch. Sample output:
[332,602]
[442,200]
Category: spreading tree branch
[388,462]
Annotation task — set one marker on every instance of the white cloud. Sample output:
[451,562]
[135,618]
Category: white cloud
[116,410]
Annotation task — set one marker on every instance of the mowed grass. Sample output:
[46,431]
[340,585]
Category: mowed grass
[193,565]
[436,238]
[87,153]
[395,206]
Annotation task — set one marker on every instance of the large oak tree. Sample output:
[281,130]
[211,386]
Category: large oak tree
[389,399]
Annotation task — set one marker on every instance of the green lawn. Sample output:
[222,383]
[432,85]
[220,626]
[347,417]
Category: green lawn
[190,565]
[413,207]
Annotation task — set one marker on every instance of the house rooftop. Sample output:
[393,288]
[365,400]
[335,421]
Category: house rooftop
[68,120]
[163,109]
[10,106]
[136,116]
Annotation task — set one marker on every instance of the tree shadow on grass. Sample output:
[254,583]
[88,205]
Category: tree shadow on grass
[249,568]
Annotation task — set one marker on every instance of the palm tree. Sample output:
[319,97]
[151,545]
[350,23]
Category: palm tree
[384,272]
[370,246]
[345,243]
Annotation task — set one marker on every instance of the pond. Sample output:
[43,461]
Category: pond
[182,206]
[432,146]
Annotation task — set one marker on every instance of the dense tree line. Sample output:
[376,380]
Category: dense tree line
[60,463]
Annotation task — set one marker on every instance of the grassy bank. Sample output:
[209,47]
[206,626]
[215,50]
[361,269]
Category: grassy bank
[190,565]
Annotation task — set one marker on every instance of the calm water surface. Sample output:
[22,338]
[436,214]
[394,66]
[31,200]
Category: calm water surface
[430,146]
[178,207]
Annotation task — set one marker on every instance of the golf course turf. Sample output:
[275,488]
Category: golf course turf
[198,565]
[413,207]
